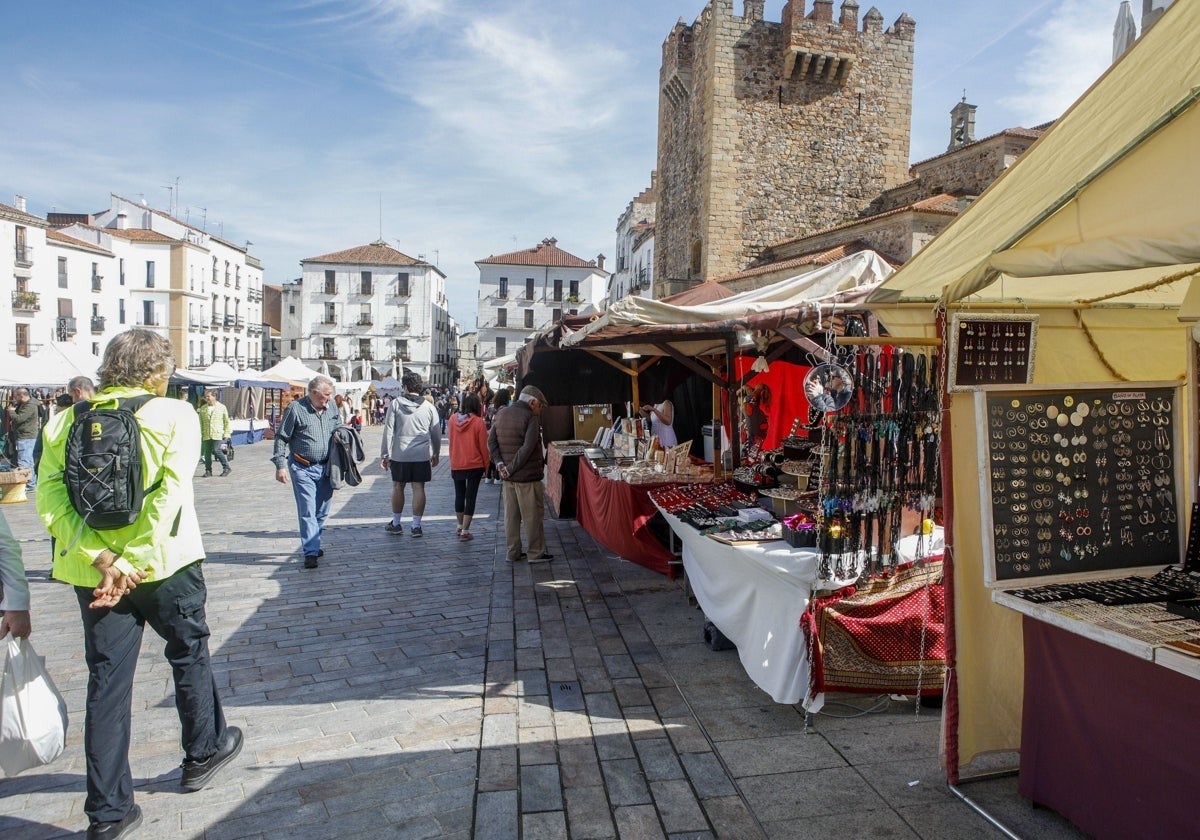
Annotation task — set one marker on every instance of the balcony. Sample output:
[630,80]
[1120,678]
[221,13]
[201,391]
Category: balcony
[228,280]
[365,320]
[240,321]
[216,320]
[230,322]
[254,329]
[148,321]
[26,301]
[97,324]
[328,355]
[23,254]
[64,327]
[328,318]
[330,289]
[404,356]
[96,284]
[399,324]
[403,290]
[501,295]
[574,299]
[364,356]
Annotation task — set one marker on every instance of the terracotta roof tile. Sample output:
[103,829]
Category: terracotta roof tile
[140,235]
[71,241]
[24,215]
[545,253]
[822,257]
[377,253]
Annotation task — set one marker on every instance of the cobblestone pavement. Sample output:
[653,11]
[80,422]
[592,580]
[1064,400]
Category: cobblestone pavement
[428,688]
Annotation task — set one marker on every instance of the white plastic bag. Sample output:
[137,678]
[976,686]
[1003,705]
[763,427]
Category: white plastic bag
[33,716]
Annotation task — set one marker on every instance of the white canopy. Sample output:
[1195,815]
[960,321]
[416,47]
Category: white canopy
[634,323]
[290,370]
[20,370]
[56,362]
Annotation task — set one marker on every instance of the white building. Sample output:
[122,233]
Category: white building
[525,291]
[634,273]
[201,292]
[87,299]
[26,302]
[360,312]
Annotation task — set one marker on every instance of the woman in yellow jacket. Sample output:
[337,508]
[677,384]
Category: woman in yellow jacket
[148,572]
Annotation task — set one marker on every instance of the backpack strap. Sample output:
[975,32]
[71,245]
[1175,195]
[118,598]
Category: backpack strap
[134,404]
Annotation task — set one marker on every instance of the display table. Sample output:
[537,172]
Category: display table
[755,594]
[562,482]
[617,515]
[1108,733]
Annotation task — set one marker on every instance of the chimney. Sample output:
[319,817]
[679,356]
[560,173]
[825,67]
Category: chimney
[122,220]
[19,200]
[962,124]
[600,261]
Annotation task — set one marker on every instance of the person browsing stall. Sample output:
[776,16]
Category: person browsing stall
[146,572]
[515,444]
[301,452]
[14,588]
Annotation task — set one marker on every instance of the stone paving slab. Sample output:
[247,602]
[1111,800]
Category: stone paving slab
[429,688]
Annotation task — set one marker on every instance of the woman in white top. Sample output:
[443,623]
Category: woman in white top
[661,417]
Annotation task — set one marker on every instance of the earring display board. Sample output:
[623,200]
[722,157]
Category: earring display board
[1079,482]
[991,349]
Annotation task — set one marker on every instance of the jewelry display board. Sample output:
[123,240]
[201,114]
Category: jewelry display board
[1078,481]
[991,349]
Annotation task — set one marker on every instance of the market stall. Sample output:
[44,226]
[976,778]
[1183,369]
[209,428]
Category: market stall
[1068,285]
[618,515]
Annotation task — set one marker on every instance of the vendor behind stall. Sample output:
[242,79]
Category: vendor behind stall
[662,418]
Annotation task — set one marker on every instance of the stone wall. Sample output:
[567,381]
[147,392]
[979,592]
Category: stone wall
[967,170]
[772,130]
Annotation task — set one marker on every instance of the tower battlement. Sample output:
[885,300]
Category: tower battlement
[771,130]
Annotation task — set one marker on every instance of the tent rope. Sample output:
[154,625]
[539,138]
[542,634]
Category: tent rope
[1096,348]
[1145,287]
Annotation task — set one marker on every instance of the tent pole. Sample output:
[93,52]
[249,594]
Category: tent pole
[633,378]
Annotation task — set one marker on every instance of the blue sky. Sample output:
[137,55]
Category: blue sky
[473,128]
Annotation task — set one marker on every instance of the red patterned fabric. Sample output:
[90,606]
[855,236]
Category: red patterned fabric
[886,636]
[617,515]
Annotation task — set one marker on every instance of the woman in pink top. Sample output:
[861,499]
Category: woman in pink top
[469,460]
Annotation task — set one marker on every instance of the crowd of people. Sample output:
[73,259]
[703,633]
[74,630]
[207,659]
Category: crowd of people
[148,569]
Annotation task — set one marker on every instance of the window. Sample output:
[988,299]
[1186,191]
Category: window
[364,315]
[528,318]
[327,349]
[22,337]
[364,349]
[501,317]
[503,293]
[402,349]
[291,309]
[121,272]
[556,315]
[501,348]
[573,295]
[364,286]
[95,348]
[330,282]
[293,344]
[149,274]
[22,249]
[148,313]
[330,314]
[528,288]
[62,272]
[557,288]
[96,277]
[121,310]
[402,284]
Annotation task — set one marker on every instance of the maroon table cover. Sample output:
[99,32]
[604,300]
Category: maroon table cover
[617,515]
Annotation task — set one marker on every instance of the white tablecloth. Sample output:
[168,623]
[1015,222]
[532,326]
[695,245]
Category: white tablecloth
[755,595]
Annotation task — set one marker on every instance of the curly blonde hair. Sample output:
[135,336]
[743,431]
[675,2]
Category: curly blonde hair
[136,357]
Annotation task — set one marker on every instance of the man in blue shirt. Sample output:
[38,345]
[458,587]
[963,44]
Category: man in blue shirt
[301,453]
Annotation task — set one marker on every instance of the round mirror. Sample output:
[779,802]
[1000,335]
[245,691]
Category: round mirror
[828,387]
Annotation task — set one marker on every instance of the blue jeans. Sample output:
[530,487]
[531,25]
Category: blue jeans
[313,492]
[25,459]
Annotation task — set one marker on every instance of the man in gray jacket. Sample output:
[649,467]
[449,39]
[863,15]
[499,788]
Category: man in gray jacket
[515,445]
[412,439]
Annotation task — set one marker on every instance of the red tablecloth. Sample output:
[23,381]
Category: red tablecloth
[617,515]
[1108,740]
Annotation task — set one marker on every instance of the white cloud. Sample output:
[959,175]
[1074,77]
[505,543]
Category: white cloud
[1071,50]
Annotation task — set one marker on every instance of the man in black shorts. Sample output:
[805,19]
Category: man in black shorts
[412,439]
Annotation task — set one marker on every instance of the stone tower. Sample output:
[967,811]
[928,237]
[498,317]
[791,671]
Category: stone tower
[772,130]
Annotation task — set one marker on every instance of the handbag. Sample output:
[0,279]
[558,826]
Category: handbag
[33,714]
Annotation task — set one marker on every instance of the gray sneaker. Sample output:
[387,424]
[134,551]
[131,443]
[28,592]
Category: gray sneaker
[393,529]
[416,531]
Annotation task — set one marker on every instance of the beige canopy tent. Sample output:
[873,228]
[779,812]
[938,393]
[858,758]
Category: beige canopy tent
[1097,230]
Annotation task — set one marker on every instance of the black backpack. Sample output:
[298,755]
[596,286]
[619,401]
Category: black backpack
[103,465]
